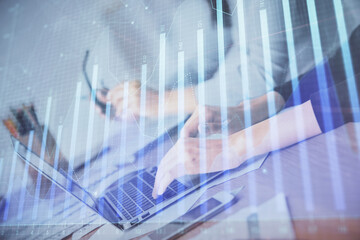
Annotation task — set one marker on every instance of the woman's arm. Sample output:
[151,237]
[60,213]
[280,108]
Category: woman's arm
[282,130]
[116,96]
[257,108]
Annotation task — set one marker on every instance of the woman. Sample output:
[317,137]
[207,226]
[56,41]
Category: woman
[181,21]
[136,28]
[319,110]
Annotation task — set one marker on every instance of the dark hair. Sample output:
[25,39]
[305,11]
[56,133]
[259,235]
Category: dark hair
[225,9]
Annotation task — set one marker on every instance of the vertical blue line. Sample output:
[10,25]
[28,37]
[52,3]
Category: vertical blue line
[1,165]
[222,74]
[354,98]
[139,183]
[124,122]
[89,134]
[267,55]
[142,109]
[246,90]
[56,165]
[181,113]
[348,64]
[181,86]
[161,105]
[123,136]
[73,143]
[271,100]
[25,177]
[338,193]
[105,158]
[291,46]
[11,181]
[201,99]
[42,157]
[299,115]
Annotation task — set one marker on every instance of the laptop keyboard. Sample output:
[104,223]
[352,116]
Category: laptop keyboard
[134,197]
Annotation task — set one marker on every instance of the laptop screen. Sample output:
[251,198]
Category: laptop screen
[57,176]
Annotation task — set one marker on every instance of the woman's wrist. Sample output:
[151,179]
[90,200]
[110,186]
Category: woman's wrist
[251,141]
[259,107]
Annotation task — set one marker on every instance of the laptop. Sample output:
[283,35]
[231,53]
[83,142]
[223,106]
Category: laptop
[128,201]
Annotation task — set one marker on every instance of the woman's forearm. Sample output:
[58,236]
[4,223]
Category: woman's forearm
[284,129]
[259,107]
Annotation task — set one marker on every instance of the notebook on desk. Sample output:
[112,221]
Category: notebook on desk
[127,202]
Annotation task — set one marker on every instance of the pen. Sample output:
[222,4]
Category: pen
[32,112]
[20,129]
[27,118]
[31,117]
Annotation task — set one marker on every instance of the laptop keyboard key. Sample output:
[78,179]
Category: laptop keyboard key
[148,178]
[169,193]
[119,206]
[177,186]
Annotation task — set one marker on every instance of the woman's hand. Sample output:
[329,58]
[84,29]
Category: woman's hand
[117,94]
[257,108]
[213,122]
[282,130]
[185,158]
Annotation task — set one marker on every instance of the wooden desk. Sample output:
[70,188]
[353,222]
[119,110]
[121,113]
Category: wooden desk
[320,178]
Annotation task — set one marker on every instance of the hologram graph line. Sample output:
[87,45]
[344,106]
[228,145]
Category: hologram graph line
[201,106]
[223,87]
[142,117]
[42,157]
[271,99]
[181,113]
[306,178]
[246,90]
[56,166]
[11,181]
[89,134]
[161,103]
[325,101]
[25,177]
[73,143]
[105,157]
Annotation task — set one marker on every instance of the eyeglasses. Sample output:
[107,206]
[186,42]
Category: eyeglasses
[104,90]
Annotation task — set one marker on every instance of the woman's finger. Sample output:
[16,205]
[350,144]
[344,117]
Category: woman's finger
[165,166]
[209,128]
[119,107]
[101,96]
[164,183]
[115,92]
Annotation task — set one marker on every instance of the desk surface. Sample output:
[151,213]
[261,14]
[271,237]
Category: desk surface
[320,179]
[322,190]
